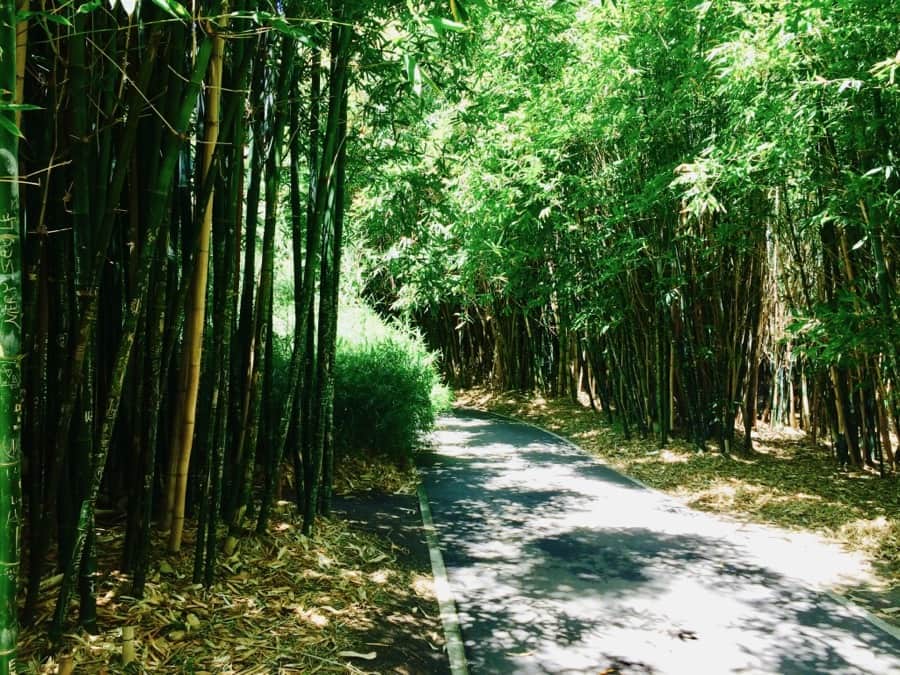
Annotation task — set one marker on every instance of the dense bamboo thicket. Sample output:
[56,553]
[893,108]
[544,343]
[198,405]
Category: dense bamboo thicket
[167,154]
[688,211]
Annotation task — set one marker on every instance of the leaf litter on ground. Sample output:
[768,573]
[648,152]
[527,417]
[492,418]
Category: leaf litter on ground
[283,603]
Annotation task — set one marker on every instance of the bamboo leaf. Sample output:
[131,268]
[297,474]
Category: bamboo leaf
[19,106]
[303,32]
[89,7]
[368,656]
[176,9]
[46,16]
[413,73]
[10,126]
[442,25]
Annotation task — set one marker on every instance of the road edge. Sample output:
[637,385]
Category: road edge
[862,612]
[456,652]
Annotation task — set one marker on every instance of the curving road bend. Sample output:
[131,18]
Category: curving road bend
[559,564]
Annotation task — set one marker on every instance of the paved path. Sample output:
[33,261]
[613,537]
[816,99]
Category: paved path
[560,565]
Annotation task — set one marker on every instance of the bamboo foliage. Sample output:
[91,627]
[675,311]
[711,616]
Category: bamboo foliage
[689,235]
[165,149]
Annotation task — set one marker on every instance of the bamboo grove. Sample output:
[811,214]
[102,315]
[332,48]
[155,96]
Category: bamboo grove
[169,157]
[687,211]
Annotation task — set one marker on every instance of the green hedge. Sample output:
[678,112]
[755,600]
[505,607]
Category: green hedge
[387,387]
[387,393]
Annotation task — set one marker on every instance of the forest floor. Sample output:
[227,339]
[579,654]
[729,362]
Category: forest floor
[356,598]
[787,482]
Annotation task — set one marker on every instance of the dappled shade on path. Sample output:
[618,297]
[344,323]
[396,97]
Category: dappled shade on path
[559,564]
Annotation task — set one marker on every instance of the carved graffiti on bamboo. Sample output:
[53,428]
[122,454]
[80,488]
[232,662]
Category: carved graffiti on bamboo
[9,169]
[10,307]
[10,377]
[9,451]
[7,253]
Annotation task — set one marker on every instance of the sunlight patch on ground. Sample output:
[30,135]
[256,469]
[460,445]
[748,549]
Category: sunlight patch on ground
[874,535]
[573,558]
[380,577]
[422,585]
[786,482]
[312,616]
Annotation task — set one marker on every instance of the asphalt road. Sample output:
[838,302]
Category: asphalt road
[560,565]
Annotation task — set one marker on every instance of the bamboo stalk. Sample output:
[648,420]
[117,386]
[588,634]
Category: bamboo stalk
[73,371]
[246,335]
[156,329]
[129,654]
[259,371]
[10,351]
[66,664]
[340,39]
[21,57]
[193,342]
[286,410]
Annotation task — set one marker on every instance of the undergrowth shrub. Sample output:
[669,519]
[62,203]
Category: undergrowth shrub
[387,389]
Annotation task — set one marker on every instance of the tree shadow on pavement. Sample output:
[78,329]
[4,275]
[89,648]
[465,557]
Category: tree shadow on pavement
[560,565]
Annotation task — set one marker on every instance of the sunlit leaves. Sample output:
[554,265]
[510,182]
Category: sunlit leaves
[697,180]
[176,9]
[590,128]
[441,25]
[128,5]
[887,70]
[413,73]
[171,7]
[88,7]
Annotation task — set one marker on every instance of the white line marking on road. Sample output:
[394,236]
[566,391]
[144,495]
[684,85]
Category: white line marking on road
[455,650]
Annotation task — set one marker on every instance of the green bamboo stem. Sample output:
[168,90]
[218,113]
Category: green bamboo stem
[278,434]
[335,283]
[10,354]
[81,220]
[306,298]
[335,286]
[245,343]
[262,320]
[226,286]
[156,330]
[340,49]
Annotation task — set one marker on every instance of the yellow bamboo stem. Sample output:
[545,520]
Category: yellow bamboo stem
[193,341]
[66,664]
[129,655]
